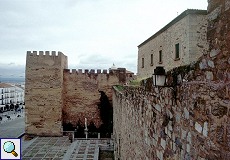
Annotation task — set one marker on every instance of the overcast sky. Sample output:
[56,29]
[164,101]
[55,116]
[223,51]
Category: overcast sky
[92,33]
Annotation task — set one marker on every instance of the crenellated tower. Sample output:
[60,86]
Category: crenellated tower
[43,92]
[55,95]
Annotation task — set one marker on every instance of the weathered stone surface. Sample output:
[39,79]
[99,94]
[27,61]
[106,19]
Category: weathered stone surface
[159,155]
[220,134]
[214,14]
[186,113]
[214,52]
[163,143]
[198,127]
[227,5]
[205,129]
[209,76]
[189,138]
[183,134]
[188,148]
[203,64]
[158,107]
[204,94]
[211,64]
[178,117]
[219,110]
[228,135]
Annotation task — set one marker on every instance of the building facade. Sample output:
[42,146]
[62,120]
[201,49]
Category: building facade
[180,42]
[10,94]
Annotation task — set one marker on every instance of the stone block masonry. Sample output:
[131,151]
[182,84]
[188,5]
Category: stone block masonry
[188,30]
[54,95]
[43,93]
[152,123]
[81,93]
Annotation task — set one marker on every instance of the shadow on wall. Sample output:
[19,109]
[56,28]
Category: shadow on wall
[106,115]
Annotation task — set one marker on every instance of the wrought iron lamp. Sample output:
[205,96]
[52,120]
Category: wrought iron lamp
[160,78]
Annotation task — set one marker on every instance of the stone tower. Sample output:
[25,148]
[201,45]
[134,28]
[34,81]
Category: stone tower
[43,92]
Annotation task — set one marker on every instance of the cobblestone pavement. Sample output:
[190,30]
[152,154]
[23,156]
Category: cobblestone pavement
[12,128]
[58,148]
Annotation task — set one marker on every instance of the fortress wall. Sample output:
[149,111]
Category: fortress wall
[81,93]
[55,95]
[43,92]
[148,124]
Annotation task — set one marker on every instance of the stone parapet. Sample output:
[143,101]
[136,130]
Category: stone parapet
[44,53]
[187,119]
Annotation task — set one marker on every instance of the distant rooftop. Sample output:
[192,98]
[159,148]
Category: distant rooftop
[4,85]
[113,67]
[19,87]
[178,18]
[129,72]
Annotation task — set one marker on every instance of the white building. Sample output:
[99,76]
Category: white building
[10,94]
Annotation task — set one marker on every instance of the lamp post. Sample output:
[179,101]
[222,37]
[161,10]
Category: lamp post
[159,76]
[159,79]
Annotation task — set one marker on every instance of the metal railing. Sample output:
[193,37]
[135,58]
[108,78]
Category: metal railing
[71,134]
[108,144]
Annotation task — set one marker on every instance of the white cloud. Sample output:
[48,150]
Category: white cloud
[11,70]
[92,33]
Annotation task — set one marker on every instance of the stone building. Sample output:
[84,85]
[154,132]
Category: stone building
[129,75]
[55,95]
[188,118]
[180,42]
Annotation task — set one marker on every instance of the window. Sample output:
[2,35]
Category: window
[142,62]
[151,60]
[160,56]
[177,51]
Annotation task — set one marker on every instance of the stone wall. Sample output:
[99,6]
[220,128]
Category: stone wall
[54,95]
[189,30]
[81,93]
[191,123]
[43,93]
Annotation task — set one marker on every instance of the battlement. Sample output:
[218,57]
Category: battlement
[44,53]
[94,71]
[86,71]
[46,57]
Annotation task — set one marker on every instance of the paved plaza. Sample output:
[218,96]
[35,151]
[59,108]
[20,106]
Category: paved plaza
[52,148]
[60,148]
[46,148]
[13,127]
